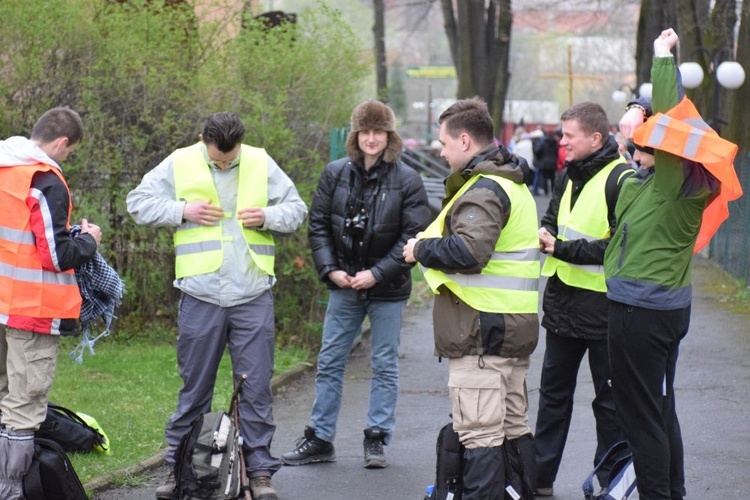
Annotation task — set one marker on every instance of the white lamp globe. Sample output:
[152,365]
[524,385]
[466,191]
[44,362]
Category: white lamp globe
[645,90]
[692,74]
[619,96]
[730,74]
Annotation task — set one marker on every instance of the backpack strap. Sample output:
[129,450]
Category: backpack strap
[612,188]
[588,484]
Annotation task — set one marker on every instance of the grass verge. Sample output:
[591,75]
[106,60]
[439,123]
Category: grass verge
[130,388]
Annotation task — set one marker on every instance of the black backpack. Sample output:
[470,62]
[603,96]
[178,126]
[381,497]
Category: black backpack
[70,431]
[517,482]
[207,461]
[51,475]
[450,464]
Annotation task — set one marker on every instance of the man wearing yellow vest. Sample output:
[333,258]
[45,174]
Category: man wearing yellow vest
[481,258]
[39,297]
[664,214]
[225,200]
[575,232]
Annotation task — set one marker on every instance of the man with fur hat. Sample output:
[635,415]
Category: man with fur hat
[367,205]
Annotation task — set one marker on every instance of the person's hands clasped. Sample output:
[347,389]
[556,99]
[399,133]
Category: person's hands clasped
[340,279]
[203,213]
[363,280]
[252,217]
[92,229]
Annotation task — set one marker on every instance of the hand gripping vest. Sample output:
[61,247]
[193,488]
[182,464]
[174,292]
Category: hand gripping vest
[682,132]
[588,220]
[509,283]
[27,289]
[198,249]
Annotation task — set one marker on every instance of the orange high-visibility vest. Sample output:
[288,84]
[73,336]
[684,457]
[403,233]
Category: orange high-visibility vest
[682,132]
[27,289]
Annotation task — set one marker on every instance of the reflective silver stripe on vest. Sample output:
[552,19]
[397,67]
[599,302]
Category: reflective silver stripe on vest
[589,268]
[263,249]
[189,225]
[17,236]
[691,144]
[530,254]
[37,275]
[697,122]
[500,282]
[572,234]
[3,319]
[201,246]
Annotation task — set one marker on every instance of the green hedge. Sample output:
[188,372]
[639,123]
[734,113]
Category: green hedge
[143,75]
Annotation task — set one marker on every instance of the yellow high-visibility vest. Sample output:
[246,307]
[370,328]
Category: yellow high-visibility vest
[587,220]
[199,249]
[509,283]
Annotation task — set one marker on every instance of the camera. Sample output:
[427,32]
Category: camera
[357,224]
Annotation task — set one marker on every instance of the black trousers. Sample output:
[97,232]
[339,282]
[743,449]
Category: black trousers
[562,359]
[643,349]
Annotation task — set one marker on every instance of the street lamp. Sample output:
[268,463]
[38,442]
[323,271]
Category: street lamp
[727,74]
[627,93]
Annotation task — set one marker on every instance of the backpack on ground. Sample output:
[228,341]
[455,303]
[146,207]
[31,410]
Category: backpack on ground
[73,431]
[450,465]
[209,462]
[621,482]
[51,475]
[517,482]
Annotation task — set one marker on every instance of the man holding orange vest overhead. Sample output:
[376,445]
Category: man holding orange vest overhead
[661,213]
[225,200]
[39,297]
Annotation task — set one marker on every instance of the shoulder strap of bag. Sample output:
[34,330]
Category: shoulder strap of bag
[588,484]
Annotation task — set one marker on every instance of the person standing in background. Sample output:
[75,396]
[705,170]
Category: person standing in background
[365,208]
[575,231]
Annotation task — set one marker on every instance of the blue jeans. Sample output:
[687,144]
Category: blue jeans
[343,323]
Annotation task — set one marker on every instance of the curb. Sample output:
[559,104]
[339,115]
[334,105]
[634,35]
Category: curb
[107,481]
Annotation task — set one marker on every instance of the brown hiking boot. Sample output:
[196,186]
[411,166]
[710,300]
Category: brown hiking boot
[261,488]
[165,491]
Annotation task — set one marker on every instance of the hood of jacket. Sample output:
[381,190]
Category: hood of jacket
[491,160]
[19,150]
[583,170]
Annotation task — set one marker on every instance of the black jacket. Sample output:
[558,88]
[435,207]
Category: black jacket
[392,199]
[571,311]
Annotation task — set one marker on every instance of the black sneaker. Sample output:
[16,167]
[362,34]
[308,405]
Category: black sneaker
[309,450]
[374,452]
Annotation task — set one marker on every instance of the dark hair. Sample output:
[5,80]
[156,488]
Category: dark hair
[470,116]
[590,116]
[56,123]
[224,130]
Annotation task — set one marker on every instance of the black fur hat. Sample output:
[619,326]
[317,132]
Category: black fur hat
[374,115]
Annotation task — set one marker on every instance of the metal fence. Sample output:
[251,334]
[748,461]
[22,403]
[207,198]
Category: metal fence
[731,244]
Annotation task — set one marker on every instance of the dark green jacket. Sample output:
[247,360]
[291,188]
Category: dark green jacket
[659,211]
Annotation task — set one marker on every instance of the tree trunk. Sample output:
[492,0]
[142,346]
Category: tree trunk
[479,39]
[739,101]
[378,29]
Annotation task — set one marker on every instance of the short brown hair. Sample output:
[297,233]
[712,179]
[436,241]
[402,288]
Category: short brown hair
[590,116]
[470,116]
[56,123]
